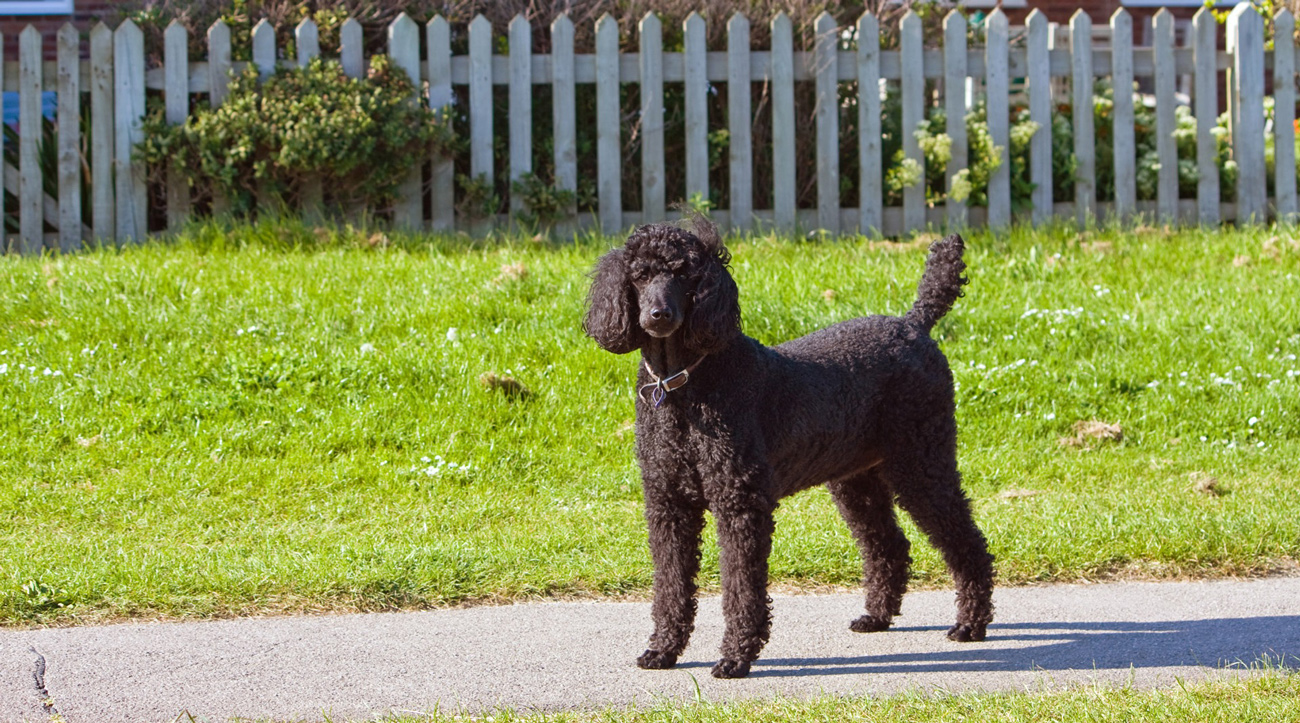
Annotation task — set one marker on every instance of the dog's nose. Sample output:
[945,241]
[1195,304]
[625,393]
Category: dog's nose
[658,313]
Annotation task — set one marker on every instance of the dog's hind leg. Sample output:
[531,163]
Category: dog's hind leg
[867,505]
[929,489]
[675,524]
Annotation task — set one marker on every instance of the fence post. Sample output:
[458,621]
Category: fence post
[176,66]
[998,112]
[481,162]
[31,223]
[1085,138]
[101,133]
[1040,112]
[128,72]
[913,112]
[954,101]
[1246,28]
[69,138]
[1124,146]
[740,147]
[697,108]
[1166,148]
[404,50]
[563,113]
[1284,116]
[871,191]
[652,119]
[609,145]
[311,195]
[783,128]
[1205,29]
[825,54]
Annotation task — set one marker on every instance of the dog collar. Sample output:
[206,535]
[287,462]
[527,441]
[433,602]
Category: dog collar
[659,388]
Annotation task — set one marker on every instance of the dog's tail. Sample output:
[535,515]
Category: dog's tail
[941,284]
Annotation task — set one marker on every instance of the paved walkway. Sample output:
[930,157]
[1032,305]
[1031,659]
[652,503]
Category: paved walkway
[553,655]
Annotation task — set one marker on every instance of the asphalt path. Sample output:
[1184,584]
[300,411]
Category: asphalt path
[580,654]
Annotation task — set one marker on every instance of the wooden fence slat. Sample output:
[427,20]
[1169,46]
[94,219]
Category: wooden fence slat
[783,128]
[102,135]
[740,146]
[954,99]
[1284,115]
[697,110]
[69,54]
[128,96]
[1039,81]
[177,97]
[1205,28]
[1085,139]
[481,162]
[351,47]
[520,115]
[31,221]
[220,67]
[443,176]
[609,144]
[652,119]
[1124,144]
[4,233]
[1247,29]
[913,112]
[999,117]
[1162,39]
[871,189]
[311,195]
[264,49]
[404,49]
[825,60]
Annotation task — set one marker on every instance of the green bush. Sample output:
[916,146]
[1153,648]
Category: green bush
[360,137]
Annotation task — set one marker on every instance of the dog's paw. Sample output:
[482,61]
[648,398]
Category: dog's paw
[731,668]
[656,660]
[870,624]
[966,633]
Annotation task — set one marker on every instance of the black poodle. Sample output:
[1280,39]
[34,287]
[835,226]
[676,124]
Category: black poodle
[726,424]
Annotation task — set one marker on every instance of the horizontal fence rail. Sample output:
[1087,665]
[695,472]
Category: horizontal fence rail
[1035,66]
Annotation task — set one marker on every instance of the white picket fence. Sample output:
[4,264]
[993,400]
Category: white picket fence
[116,79]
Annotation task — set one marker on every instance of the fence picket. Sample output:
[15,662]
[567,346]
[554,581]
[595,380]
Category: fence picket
[1247,29]
[69,159]
[176,64]
[404,49]
[1122,131]
[740,146]
[1085,139]
[31,221]
[609,146]
[351,47]
[220,66]
[913,112]
[311,194]
[783,128]
[954,101]
[443,175]
[306,35]
[998,113]
[4,234]
[520,115]
[697,110]
[825,57]
[1284,115]
[1205,28]
[264,49]
[1162,40]
[652,120]
[481,161]
[102,210]
[128,97]
[871,190]
[1039,80]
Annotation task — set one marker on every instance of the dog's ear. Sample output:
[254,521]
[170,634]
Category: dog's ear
[714,318]
[612,312]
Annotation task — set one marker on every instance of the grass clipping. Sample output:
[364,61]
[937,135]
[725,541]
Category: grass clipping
[1092,433]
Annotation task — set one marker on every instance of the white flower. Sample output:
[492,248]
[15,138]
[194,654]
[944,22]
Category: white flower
[1049,416]
[1253,421]
[367,348]
[453,334]
[4,368]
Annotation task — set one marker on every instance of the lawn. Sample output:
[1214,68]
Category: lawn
[270,418]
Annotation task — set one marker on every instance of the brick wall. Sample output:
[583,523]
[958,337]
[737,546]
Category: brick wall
[85,12]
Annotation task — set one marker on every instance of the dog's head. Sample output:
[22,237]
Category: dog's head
[664,281]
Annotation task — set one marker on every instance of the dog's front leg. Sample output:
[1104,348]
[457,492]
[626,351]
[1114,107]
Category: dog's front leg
[745,527]
[675,524]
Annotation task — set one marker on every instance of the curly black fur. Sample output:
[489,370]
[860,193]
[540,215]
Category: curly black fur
[865,407]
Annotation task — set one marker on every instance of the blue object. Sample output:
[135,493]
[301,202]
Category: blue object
[49,105]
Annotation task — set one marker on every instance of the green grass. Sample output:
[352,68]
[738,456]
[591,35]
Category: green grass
[1271,697]
[259,419]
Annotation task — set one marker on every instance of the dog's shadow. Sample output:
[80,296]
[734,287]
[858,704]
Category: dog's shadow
[1216,643]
